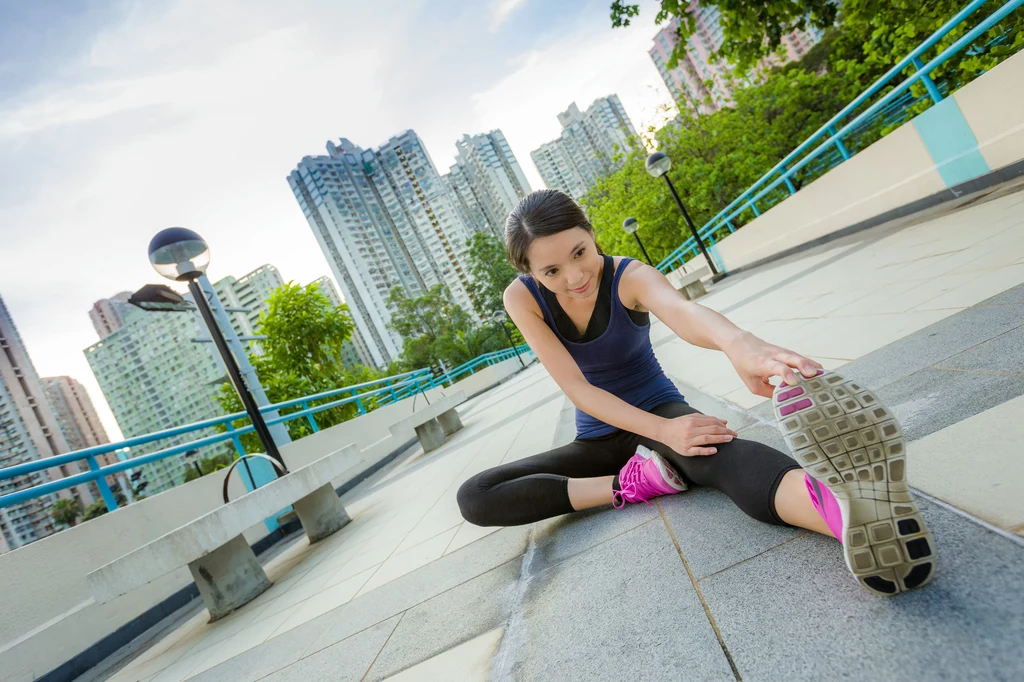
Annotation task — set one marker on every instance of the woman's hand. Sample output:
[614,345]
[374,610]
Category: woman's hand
[757,361]
[695,434]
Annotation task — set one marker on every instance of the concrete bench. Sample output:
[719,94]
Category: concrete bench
[433,423]
[690,284]
[221,561]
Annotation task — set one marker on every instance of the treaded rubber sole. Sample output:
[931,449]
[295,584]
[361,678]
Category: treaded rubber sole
[845,438]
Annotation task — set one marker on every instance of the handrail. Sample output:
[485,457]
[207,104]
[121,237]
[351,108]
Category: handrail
[834,137]
[399,386]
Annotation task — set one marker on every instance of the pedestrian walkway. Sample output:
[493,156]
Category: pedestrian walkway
[928,313]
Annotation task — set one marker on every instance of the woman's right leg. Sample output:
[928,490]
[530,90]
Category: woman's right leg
[576,476]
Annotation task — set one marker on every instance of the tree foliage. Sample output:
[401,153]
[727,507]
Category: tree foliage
[715,157]
[874,34]
[491,270]
[66,511]
[302,355]
[436,328]
[208,465]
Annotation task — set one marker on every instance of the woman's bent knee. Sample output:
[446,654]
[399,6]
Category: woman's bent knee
[471,501]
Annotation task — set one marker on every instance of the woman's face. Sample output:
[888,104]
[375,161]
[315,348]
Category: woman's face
[566,261]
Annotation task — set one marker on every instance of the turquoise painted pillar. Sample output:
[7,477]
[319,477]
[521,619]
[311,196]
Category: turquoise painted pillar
[951,143]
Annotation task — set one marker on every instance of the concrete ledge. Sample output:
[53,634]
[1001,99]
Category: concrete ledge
[952,194]
[73,668]
[214,529]
[408,424]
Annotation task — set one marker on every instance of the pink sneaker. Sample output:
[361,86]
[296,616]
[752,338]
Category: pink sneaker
[644,476]
[852,450]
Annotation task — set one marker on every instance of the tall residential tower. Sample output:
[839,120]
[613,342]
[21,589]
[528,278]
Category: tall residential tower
[28,431]
[591,146]
[384,218]
[487,181]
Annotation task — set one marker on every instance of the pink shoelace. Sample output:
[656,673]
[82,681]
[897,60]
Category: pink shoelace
[631,480]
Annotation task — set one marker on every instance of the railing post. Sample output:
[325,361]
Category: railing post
[237,440]
[101,483]
[732,228]
[359,402]
[929,84]
[839,143]
[394,398]
[789,183]
[310,418]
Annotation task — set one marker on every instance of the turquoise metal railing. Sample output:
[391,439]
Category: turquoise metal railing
[396,388]
[833,138]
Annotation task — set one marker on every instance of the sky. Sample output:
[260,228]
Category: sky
[120,118]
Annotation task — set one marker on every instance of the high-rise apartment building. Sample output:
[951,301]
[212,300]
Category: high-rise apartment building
[486,181]
[28,431]
[77,420]
[250,291]
[384,218]
[591,146]
[354,351]
[155,377]
[698,81]
[107,314]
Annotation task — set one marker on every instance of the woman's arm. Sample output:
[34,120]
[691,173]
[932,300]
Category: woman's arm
[755,360]
[563,369]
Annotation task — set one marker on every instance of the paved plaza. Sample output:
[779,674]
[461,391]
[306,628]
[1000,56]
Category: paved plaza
[928,312]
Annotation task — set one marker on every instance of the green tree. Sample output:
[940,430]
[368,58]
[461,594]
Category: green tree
[491,271]
[98,508]
[208,465]
[874,34]
[433,327]
[66,511]
[715,157]
[302,355]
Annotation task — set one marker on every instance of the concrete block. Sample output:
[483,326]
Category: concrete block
[1004,353]
[210,531]
[622,610]
[796,613]
[933,344]
[1013,295]
[933,399]
[428,629]
[263,659]
[407,425]
[694,290]
[430,435]
[714,534]
[422,584]
[321,513]
[346,661]
[229,577]
[559,538]
[449,421]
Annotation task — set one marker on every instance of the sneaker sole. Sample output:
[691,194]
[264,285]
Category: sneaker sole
[666,470]
[845,438]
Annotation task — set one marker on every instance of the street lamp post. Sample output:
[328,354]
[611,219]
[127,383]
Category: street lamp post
[182,255]
[630,225]
[190,457]
[658,164]
[499,316]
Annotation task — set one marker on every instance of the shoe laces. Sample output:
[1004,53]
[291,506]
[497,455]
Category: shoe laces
[632,479]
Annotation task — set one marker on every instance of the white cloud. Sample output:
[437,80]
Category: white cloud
[502,10]
[580,67]
[194,116]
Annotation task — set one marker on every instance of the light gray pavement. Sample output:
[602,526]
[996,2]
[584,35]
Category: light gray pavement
[689,588]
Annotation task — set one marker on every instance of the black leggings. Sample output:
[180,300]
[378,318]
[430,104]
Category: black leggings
[536,488]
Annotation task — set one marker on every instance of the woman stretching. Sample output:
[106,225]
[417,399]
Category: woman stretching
[586,316]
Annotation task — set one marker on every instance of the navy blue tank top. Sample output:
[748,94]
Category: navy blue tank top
[620,361]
